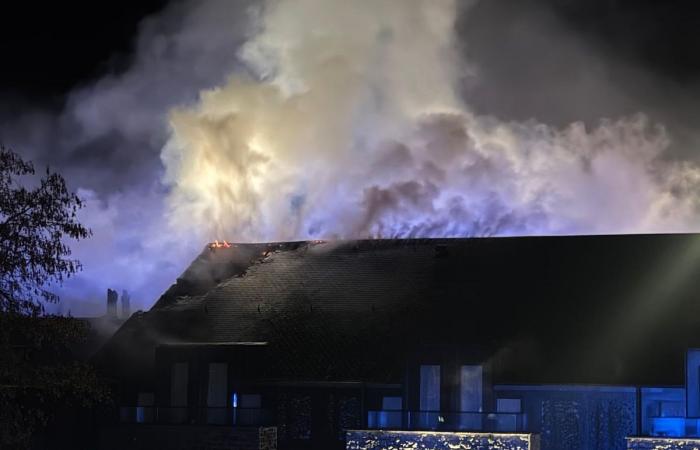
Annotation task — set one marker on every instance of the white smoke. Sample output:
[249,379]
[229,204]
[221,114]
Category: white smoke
[347,119]
[351,126]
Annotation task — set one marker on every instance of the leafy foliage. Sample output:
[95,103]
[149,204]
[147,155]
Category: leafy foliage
[33,225]
[39,374]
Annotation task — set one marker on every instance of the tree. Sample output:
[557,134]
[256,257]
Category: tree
[38,372]
[33,226]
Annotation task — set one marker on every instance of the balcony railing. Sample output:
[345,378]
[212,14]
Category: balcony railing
[189,415]
[674,426]
[452,421]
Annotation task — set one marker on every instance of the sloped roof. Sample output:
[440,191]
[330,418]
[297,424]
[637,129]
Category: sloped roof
[603,309]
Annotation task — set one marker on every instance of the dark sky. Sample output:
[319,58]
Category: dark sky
[86,87]
[47,48]
[661,35]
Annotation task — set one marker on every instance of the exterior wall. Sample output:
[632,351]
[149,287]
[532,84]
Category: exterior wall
[692,382]
[577,417]
[643,443]
[316,416]
[663,413]
[398,440]
[245,360]
[187,437]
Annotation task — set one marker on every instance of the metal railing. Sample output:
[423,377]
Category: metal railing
[448,421]
[196,415]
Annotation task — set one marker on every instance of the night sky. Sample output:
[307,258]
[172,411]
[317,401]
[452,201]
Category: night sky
[49,49]
[86,87]
[47,53]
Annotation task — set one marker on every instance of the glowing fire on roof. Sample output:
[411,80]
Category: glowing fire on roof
[217,244]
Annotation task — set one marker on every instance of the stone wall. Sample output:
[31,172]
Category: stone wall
[419,440]
[658,443]
[187,437]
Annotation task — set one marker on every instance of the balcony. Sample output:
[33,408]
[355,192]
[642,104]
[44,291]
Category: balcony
[674,427]
[447,421]
[187,415]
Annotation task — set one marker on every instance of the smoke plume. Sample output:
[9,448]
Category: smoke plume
[298,119]
[348,124]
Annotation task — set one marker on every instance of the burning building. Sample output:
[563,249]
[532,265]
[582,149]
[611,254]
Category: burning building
[543,342]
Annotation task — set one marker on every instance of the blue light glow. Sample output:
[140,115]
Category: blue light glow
[668,426]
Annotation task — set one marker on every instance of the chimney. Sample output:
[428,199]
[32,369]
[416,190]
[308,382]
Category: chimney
[126,304]
[112,303]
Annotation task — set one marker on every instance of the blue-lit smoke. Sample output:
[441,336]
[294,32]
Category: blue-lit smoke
[321,119]
[351,127]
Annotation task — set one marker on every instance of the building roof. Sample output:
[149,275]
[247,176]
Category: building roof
[101,328]
[596,309]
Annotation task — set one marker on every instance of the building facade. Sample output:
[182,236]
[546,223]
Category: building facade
[473,342]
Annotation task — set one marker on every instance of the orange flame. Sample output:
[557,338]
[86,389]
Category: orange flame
[217,244]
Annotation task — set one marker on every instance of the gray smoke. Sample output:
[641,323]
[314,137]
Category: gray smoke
[311,119]
[299,151]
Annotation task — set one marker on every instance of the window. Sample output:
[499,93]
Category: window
[248,410]
[389,417]
[217,393]
[428,418]
[430,388]
[508,418]
[392,403]
[692,377]
[177,413]
[145,399]
[144,407]
[658,406]
[178,384]
[470,388]
[250,401]
[508,405]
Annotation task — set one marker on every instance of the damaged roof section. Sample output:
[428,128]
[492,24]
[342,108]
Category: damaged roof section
[547,309]
[216,264]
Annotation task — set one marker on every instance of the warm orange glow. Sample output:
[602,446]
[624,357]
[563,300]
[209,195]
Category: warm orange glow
[217,244]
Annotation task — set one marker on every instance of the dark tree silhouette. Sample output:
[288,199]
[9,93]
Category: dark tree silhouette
[39,376]
[34,223]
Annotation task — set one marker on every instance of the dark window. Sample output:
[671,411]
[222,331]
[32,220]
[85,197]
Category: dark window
[144,407]
[179,379]
[430,388]
[217,393]
[178,384]
[470,388]
[508,405]
[392,403]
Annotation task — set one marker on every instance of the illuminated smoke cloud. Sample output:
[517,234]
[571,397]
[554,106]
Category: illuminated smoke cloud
[348,119]
[350,126]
